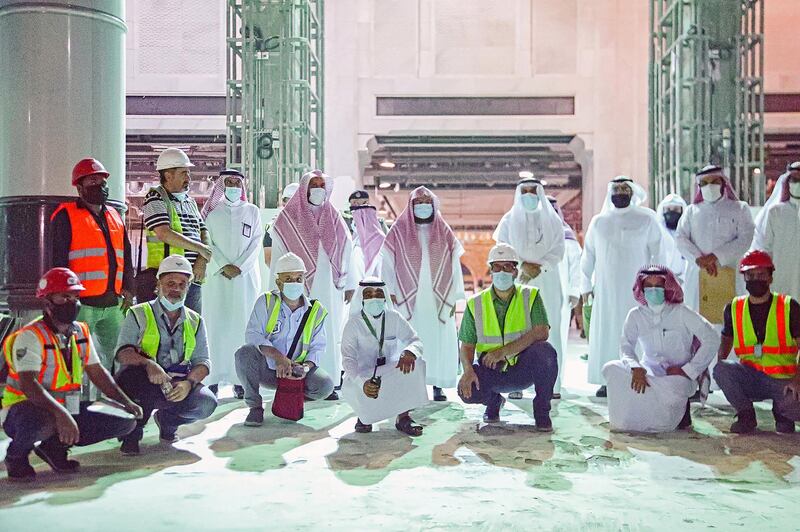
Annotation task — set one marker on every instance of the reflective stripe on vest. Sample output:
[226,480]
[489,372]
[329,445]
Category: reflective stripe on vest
[779,352]
[156,249]
[151,336]
[88,251]
[315,320]
[517,321]
[53,376]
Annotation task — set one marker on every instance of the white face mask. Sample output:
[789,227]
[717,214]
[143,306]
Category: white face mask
[711,193]
[293,291]
[233,194]
[316,196]
[375,307]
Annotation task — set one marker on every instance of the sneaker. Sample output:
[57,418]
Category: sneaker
[544,424]
[55,454]
[238,391]
[784,425]
[745,422]
[492,415]
[601,392]
[515,395]
[19,469]
[255,418]
[129,448]
[163,434]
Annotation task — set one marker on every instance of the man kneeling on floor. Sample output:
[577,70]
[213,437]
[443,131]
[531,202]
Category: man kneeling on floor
[42,399]
[507,325]
[163,350]
[384,374]
[285,338]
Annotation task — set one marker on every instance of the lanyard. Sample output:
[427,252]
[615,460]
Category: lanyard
[380,340]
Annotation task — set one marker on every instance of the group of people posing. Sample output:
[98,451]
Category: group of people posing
[352,307]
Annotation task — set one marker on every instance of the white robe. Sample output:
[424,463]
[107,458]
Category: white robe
[781,239]
[227,302]
[399,392]
[439,339]
[570,272]
[665,340]
[332,298]
[724,228]
[618,243]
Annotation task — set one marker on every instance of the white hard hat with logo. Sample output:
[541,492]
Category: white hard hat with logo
[173,158]
[290,263]
[289,190]
[503,253]
[175,264]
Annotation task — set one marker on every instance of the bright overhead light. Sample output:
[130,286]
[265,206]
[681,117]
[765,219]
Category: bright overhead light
[385,185]
[386,163]
[525,174]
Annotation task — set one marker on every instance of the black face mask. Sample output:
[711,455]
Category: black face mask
[96,194]
[757,288]
[65,313]
[671,218]
[621,201]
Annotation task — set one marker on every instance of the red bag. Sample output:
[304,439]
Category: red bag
[289,399]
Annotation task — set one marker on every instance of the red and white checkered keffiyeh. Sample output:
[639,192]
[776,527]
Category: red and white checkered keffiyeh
[370,234]
[727,188]
[673,293]
[302,226]
[216,195]
[403,245]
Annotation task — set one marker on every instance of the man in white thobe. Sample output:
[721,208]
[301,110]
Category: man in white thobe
[422,270]
[233,278]
[384,374]
[669,213]
[311,227]
[620,240]
[535,230]
[650,392]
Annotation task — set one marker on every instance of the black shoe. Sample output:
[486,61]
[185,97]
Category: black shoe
[164,435]
[686,421]
[745,422]
[362,427]
[601,392]
[54,453]
[333,396]
[492,415]
[129,448]
[544,424]
[784,425]
[556,395]
[19,469]
[214,388]
[438,394]
[255,418]
[238,391]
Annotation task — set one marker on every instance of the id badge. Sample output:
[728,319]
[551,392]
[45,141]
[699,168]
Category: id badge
[381,361]
[72,402]
[758,351]
[246,230]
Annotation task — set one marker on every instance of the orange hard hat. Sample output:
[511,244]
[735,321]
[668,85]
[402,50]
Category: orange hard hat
[756,259]
[87,167]
[58,281]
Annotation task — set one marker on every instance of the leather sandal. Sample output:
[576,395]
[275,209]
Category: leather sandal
[406,425]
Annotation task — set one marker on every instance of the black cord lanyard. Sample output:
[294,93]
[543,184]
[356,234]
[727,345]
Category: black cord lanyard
[374,334]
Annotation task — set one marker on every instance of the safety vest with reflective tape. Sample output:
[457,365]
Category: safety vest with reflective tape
[151,336]
[517,322]
[779,352]
[88,251]
[54,376]
[156,249]
[315,319]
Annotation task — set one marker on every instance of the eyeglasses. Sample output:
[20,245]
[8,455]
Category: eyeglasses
[498,267]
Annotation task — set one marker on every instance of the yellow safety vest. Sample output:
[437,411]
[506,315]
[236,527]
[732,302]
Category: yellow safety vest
[315,319]
[156,249]
[151,336]
[778,357]
[517,322]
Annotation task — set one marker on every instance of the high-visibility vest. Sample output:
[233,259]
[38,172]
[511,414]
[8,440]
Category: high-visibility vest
[779,352]
[151,336]
[517,322]
[315,319]
[54,376]
[156,249]
[88,251]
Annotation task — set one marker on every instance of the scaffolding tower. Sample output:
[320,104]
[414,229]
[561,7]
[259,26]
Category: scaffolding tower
[274,92]
[706,94]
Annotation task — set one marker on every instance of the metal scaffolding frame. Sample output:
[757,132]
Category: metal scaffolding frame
[706,94]
[274,92]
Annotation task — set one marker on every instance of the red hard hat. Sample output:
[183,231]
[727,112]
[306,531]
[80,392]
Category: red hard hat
[86,167]
[58,281]
[756,259]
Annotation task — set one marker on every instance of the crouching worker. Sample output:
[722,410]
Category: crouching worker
[651,393]
[285,338]
[163,351]
[384,375]
[42,400]
[507,325]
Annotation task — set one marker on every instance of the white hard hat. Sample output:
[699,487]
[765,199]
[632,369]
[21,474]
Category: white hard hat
[173,158]
[289,190]
[175,264]
[503,253]
[290,263]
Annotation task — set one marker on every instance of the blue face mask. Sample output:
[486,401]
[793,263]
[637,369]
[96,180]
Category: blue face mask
[293,291]
[423,211]
[375,307]
[169,305]
[530,201]
[654,296]
[181,196]
[233,194]
[502,280]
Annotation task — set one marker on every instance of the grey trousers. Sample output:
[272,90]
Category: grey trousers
[742,385]
[253,372]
